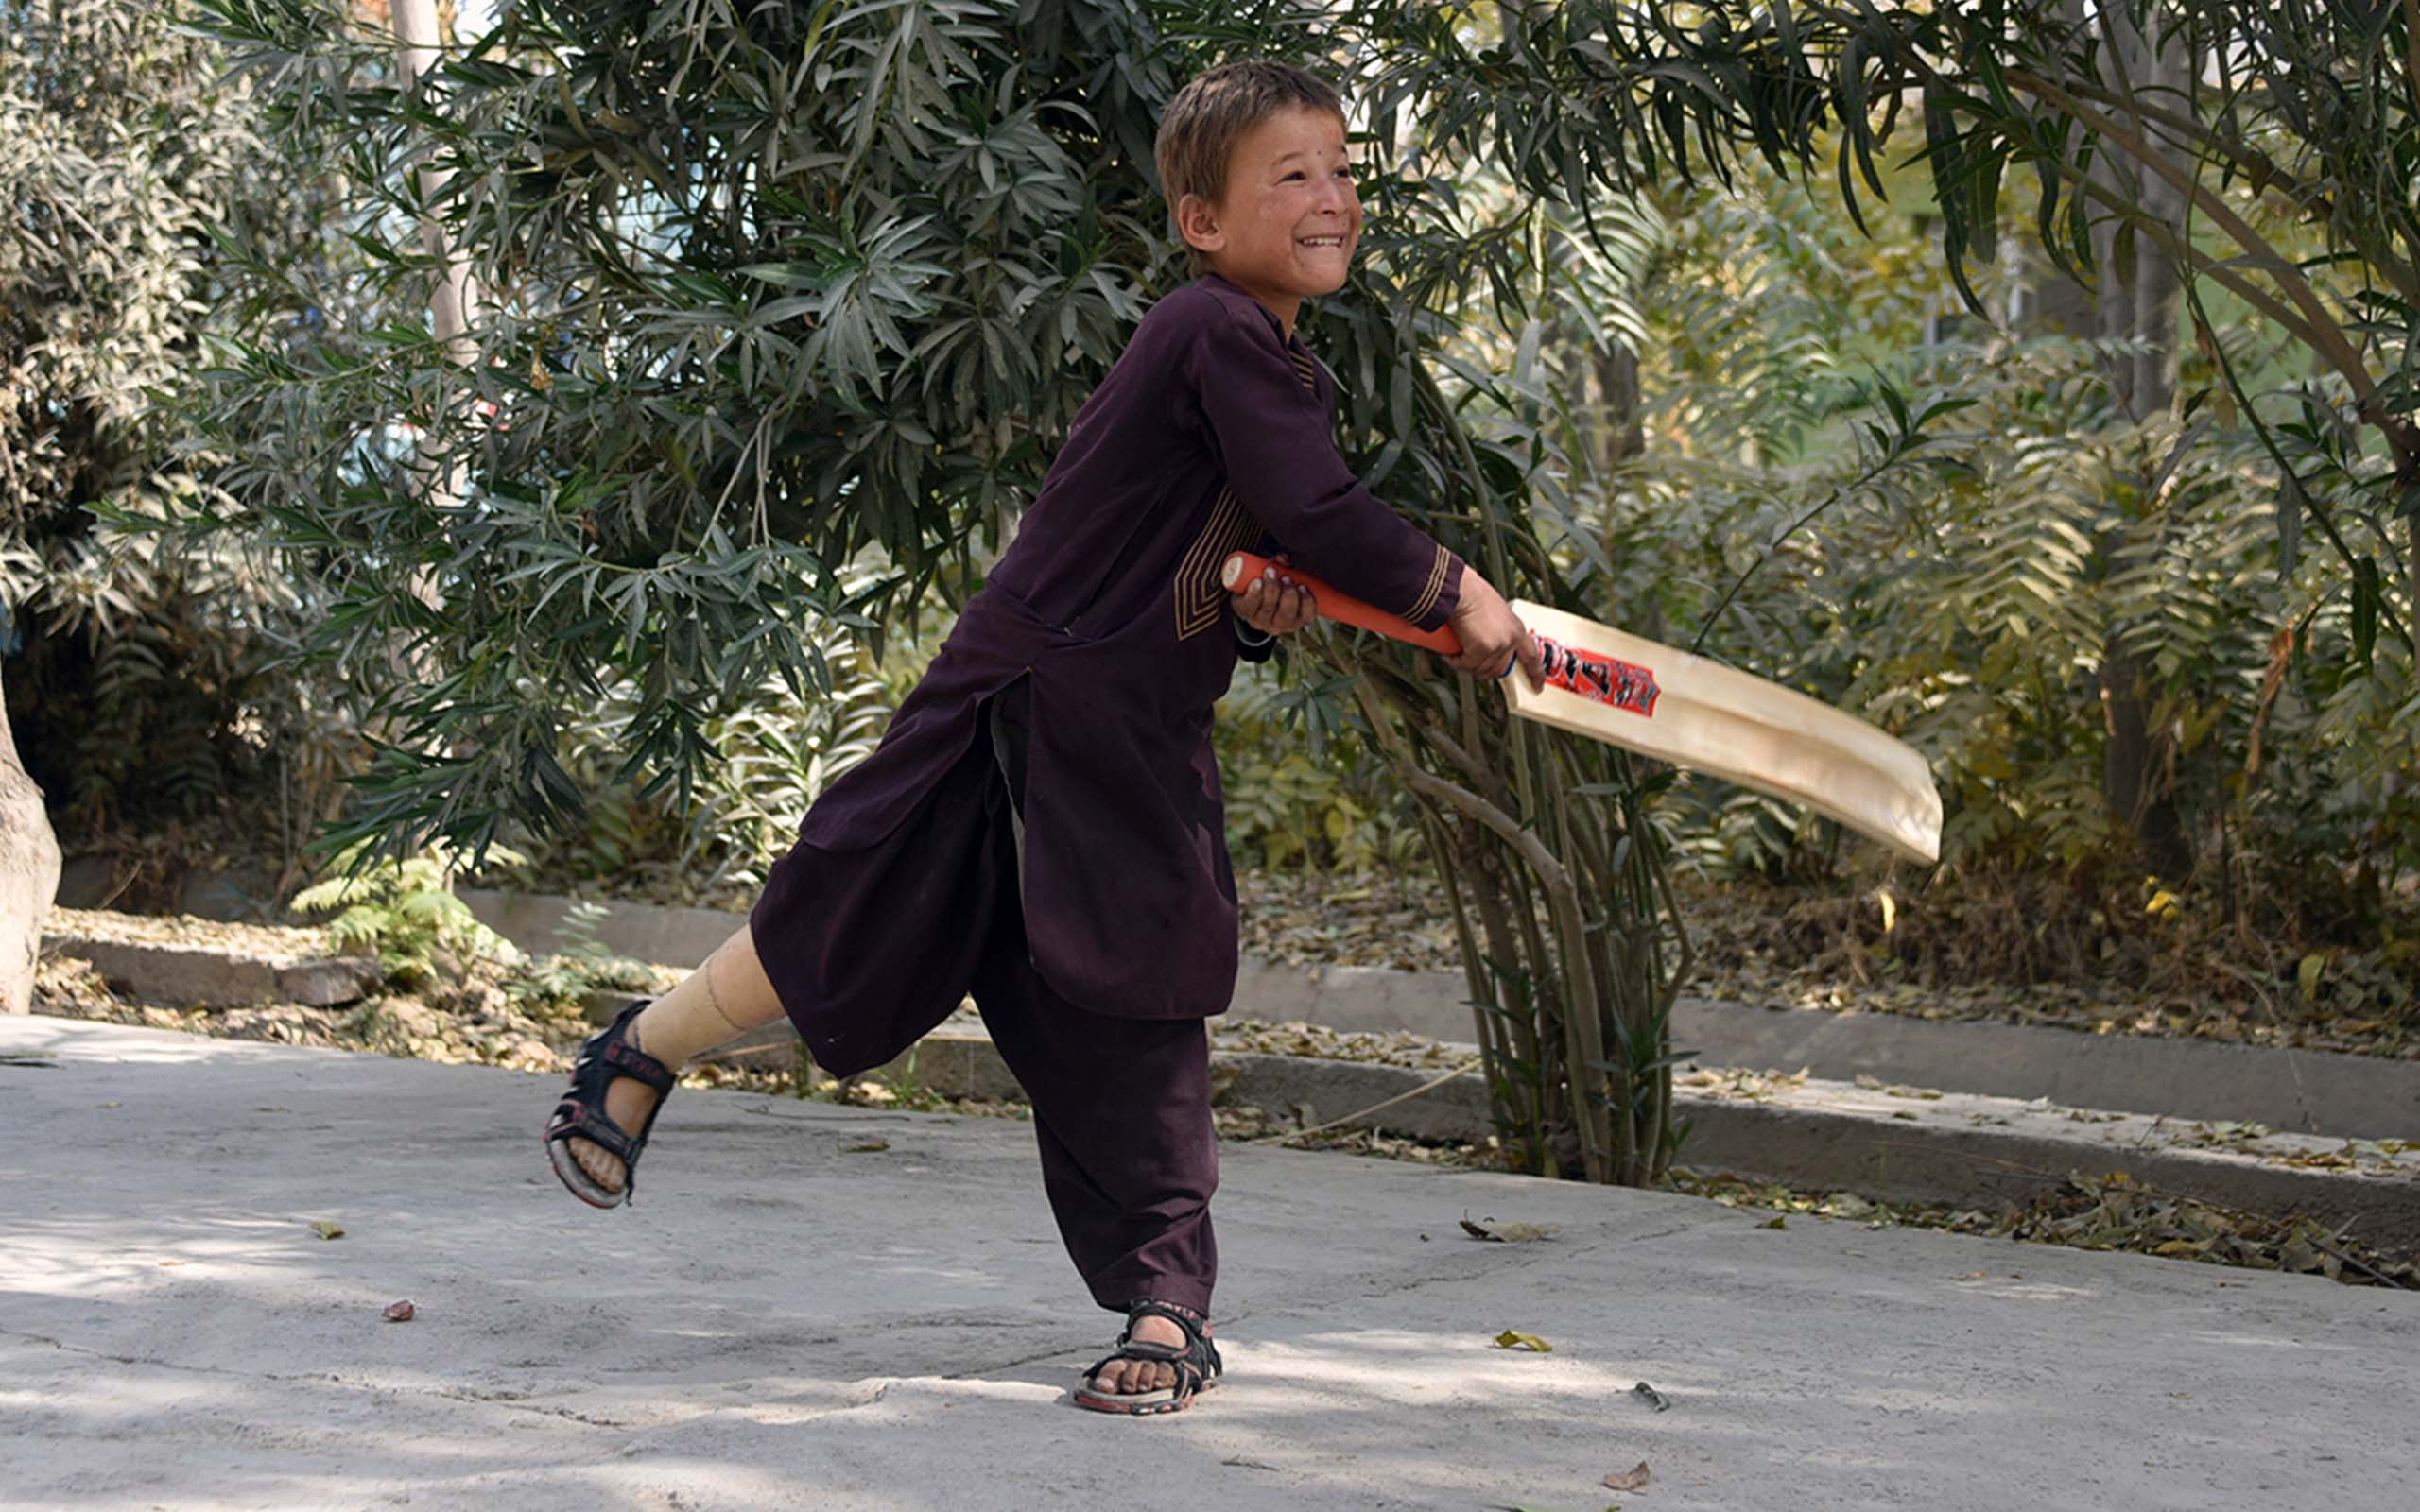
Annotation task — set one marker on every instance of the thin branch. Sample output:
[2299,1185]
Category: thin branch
[1455,1075]
[1579,976]
[2330,340]
[2258,169]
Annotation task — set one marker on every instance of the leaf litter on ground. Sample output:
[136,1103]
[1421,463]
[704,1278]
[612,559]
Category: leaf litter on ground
[1797,949]
[1513,1339]
[1633,1479]
[2112,1212]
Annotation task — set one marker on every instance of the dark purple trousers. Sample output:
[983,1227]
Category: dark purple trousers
[1121,1106]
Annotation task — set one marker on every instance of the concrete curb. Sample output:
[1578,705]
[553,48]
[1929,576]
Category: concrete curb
[2314,1091]
[200,976]
[1881,1144]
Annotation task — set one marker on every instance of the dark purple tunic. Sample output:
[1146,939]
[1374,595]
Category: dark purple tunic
[1212,433]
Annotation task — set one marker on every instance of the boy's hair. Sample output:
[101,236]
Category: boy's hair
[1201,126]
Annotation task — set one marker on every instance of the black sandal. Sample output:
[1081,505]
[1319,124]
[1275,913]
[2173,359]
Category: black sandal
[1196,1362]
[608,1056]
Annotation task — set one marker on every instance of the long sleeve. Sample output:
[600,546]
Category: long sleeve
[1273,431]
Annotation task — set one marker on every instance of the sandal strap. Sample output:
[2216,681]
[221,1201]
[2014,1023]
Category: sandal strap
[575,1119]
[607,1058]
[1193,1323]
[1142,1350]
[612,1051]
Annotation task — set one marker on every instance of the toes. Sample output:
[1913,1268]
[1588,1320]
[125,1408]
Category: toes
[602,1168]
[1131,1378]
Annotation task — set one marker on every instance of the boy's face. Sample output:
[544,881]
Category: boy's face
[1285,229]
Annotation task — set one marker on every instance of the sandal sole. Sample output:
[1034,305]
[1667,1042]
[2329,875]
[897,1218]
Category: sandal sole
[1142,1404]
[577,1180]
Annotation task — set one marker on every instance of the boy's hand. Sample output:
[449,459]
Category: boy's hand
[1274,604]
[1493,639]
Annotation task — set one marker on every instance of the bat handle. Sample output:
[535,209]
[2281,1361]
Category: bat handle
[1243,569]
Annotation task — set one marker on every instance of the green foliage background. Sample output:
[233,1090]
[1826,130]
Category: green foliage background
[1789,333]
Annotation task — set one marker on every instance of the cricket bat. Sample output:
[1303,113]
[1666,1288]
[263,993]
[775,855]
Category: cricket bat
[1644,697]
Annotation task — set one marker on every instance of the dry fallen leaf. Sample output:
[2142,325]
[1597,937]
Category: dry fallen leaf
[1510,1339]
[865,1148]
[399,1313]
[1973,1276]
[1510,1233]
[1633,1479]
[1649,1395]
[328,1230]
[1776,1221]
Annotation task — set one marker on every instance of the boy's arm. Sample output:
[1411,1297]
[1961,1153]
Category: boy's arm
[1273,434]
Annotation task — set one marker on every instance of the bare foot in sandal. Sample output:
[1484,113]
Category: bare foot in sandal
[1127,1377]
[600,1127]
[628,1101]
[1162,1362]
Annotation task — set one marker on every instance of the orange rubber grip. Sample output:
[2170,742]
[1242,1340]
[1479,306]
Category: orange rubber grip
[1243,569]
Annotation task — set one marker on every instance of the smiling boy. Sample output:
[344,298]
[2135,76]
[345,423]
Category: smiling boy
[1042,825]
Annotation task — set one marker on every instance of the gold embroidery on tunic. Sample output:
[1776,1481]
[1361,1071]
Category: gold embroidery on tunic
[1428,599]
[1200,596]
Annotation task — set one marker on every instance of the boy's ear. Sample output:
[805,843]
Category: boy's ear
[1197,221]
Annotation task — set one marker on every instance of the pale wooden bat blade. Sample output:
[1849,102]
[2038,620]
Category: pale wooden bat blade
[1650,698]
[1646,697]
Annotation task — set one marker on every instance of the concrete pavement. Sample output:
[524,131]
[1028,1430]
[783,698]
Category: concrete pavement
[781,1321]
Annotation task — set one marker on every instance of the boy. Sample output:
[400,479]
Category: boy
[1042,822]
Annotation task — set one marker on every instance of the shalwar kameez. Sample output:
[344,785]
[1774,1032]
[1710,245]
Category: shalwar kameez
[1042,825]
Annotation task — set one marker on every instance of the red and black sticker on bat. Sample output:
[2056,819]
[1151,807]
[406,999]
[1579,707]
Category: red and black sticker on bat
[1600,679]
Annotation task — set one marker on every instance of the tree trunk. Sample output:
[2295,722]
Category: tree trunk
[1623,438]
[2136,302]
[29,873]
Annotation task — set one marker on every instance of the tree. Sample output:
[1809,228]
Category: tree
[29,870]
[95,101]
[837,285]
[2227,153]
[135,680]
[765,293]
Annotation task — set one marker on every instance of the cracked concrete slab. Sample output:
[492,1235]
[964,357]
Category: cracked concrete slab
[780,1323]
